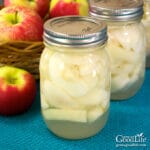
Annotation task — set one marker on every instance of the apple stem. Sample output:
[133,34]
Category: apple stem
[15,17]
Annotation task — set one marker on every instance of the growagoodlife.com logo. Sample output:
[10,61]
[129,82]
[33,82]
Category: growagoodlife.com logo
[138,140]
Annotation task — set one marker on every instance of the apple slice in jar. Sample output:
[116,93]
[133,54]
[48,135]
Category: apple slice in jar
[94,113]
[96,96]
[125,41]
[44,103]
[65,115]
[56,96]
[44,61]
[119,82]
[118,54]
[72,74]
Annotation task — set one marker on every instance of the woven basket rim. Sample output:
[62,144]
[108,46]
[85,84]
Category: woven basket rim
[19,41]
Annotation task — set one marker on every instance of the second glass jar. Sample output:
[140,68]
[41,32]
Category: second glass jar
[126,44]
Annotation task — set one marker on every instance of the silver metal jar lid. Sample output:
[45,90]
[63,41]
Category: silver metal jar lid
[117,10]
[75,31]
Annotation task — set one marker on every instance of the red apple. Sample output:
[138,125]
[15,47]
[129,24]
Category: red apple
[17,90]
[20,23]
[40,6]
[68,7]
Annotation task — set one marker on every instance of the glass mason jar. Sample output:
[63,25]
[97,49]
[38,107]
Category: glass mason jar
[146,22]
[75,76]
[126,44]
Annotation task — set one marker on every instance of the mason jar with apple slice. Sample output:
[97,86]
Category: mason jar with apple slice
[75,76]
[126,44]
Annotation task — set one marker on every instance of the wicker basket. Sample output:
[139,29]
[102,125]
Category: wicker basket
[22,54]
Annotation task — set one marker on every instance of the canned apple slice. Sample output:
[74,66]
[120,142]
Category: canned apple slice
[65,115]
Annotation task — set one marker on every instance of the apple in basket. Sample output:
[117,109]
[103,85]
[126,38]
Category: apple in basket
[68,7]
[17,90]
[20,23]
[40,6]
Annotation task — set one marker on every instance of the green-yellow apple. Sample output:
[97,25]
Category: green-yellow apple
[68,7]
[40,6]
[17,90]
[20,23]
